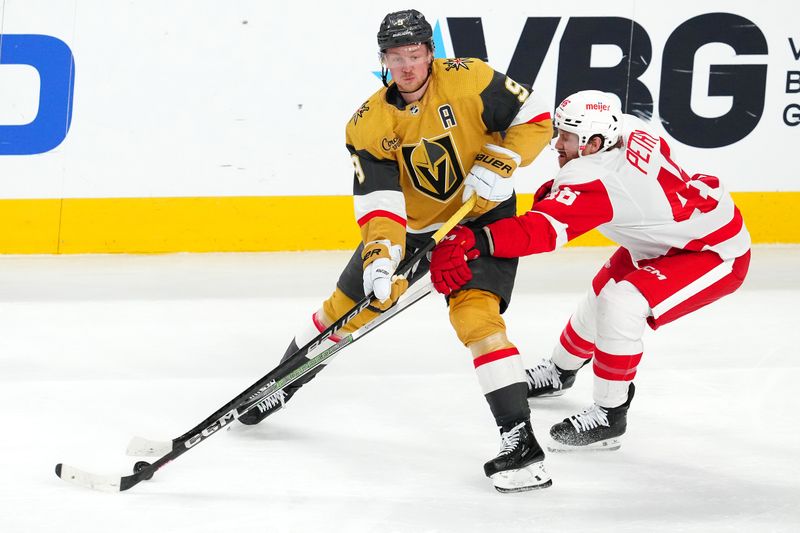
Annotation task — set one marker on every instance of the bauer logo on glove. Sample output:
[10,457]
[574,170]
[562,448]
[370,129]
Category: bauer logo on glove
[491,177]
[492,161]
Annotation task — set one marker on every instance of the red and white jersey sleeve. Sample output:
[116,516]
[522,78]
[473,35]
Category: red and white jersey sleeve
[638,197]
[570,210]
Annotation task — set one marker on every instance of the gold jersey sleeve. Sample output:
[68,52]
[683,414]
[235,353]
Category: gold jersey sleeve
[378,198]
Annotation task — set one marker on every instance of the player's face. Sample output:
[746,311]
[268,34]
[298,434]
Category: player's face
[566,146]
[408,65]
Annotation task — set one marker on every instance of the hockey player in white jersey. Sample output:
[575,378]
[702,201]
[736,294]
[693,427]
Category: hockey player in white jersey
[683,245]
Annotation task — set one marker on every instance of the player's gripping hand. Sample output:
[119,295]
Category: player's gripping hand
[543,191]
[491,177]
[380,261]
[449,268]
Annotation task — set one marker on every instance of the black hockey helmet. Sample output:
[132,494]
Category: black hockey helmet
[404,27]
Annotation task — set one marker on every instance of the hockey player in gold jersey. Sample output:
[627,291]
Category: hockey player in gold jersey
[440,131]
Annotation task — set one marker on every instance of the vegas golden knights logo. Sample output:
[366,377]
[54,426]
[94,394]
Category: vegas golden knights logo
[434,167]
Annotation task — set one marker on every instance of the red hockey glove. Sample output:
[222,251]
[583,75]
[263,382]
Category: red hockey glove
[449,269]
[542,192]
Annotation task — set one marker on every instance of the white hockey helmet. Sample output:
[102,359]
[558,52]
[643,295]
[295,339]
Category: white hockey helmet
[588,113]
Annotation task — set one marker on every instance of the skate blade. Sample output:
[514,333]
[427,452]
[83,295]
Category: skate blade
[554,394]
[531,477]
[608,445]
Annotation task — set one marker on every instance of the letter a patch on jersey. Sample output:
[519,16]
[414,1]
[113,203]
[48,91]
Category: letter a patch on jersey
[434,167]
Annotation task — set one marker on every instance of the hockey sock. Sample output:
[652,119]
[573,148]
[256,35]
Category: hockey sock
[502,379]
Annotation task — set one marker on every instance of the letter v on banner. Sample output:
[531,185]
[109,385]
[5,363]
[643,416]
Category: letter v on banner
[795,50]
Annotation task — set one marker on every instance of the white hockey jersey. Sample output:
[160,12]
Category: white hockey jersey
[637,196]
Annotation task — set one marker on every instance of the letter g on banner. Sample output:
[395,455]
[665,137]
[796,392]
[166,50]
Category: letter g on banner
[746,84]
[52,59]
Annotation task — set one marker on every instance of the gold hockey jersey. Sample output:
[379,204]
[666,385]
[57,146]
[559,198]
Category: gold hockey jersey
[411,159]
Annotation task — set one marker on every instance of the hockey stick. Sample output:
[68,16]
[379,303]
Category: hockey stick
[140,446]
[265,386]
[257,391]
[144,471]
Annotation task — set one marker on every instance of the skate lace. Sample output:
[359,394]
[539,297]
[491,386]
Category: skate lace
[590,418]
[543,374]
[510,439]
[273,400]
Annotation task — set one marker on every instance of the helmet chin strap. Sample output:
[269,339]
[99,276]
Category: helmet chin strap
[384,75]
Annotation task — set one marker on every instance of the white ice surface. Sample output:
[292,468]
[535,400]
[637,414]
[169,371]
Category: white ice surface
[393,435]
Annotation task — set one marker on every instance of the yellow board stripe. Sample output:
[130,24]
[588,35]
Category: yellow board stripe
[270,223]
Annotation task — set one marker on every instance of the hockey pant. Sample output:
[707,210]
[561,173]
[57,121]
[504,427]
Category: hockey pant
[610,320]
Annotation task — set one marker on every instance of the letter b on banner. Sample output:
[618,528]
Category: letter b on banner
[53,61]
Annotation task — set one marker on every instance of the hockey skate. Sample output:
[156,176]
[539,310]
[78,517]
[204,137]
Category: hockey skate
[265,407]
[547,379]
[277,401]
[596,428]
[520,464]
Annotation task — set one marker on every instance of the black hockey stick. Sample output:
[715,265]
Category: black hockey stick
[144,471]
[264,387]
[140,446]
[257,391]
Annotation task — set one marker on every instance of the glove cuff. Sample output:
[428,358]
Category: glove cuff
[377,249]
[499,160]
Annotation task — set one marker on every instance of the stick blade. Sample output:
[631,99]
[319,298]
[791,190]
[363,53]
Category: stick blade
[87,480]
[142,447]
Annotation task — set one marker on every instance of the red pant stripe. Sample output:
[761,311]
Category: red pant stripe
[615,367]
[494,356]
[575,344]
